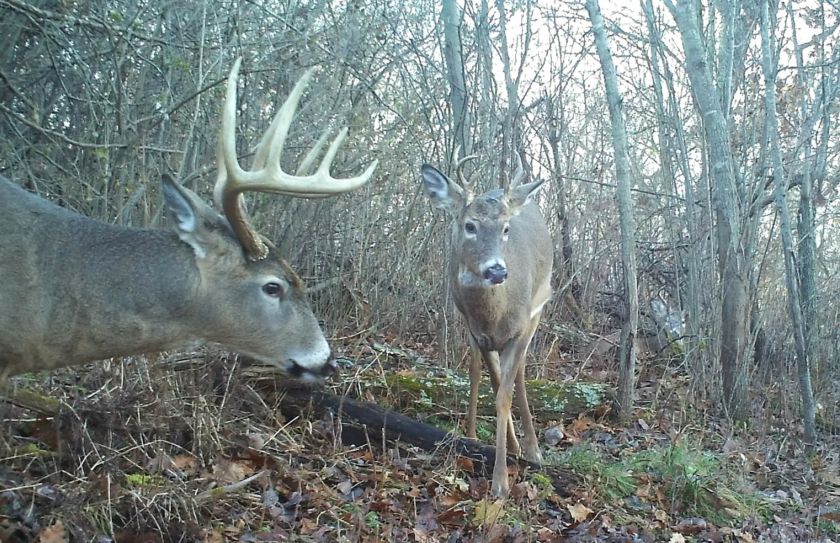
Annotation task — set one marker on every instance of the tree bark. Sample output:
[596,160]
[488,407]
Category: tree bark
[512,139]
[623,172]
[768,65]
[806,222]
[732,258]
[458,97]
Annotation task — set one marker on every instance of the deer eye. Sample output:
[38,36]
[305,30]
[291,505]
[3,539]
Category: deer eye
[469,228]
[506,229]
[274,290]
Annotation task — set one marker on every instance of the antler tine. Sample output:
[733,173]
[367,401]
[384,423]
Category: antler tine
[266,174]
[466,184]
[310,156]
[519,174]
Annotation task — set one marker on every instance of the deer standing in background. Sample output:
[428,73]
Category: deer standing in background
[73,289]
[500,276]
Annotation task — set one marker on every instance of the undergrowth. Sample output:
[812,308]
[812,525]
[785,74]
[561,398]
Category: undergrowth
[688,480]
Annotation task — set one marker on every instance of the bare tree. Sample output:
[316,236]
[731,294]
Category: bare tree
[770,68]
[458,96]
[733,261]
[624,175]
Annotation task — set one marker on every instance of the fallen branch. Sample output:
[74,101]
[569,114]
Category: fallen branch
[219,491]
[363,422]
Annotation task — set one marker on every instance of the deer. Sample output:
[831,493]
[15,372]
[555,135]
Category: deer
[76,290]
[500,277]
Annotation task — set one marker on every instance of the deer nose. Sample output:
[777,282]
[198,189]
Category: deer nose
[496,274]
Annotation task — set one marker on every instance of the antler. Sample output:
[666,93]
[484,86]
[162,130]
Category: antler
[266,175]
[464,185]
[518,175]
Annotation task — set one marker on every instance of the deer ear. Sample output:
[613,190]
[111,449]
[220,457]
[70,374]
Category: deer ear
[521,194]
[443,193]
[187,211]
[179,205]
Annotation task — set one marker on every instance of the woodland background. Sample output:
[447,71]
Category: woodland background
[727,166]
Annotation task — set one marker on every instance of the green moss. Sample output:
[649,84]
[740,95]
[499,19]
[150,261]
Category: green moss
[551,396]
[450,390]
[485,431]
[33,449]
[372,520]
[141,480]
[827,527]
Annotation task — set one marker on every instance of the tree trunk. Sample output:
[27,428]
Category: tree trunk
[511,136]
[623,172]
[806,225]
[361,423]
[732,258]
[461,125]
[668,158]
[458,97]
[768,65]
[564,264]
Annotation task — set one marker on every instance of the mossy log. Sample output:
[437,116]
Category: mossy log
[436,389]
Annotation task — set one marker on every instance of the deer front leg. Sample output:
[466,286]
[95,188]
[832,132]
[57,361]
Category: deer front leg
[504,400]
[531,445]
[475,380]
[500,486]
[491,360]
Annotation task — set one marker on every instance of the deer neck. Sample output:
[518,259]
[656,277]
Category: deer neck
[486,308]
[138,307]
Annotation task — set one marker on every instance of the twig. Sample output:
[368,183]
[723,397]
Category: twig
[219,491]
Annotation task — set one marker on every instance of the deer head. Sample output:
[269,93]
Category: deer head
[481,225]
[127,290]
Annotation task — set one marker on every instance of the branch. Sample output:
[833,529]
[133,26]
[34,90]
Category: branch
[219,491]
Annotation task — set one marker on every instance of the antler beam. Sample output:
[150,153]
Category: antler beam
[266,174]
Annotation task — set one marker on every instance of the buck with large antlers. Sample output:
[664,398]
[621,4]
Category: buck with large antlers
[500,275]
[73,289]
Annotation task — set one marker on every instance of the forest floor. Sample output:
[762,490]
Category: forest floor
[191,450]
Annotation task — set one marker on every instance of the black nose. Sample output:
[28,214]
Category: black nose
[496,274]
[312,374]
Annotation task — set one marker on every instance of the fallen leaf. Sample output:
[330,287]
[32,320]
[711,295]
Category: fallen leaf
[53,534]
[213,536]
[127,536]
[579,512]
[496,533]
[487,512]
[691,526]
[464,463]
[449,500]
[425,525]
[187,463]
[579,425]
[452,516]
[676,538]
[742,536]
[226,471]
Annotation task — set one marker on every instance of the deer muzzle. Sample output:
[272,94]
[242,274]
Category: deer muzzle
[496,274]
[307,374]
